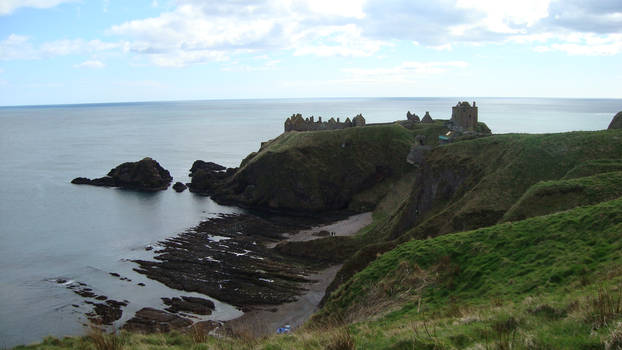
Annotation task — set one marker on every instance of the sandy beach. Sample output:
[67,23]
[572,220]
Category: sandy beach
[346,227]
[266,319]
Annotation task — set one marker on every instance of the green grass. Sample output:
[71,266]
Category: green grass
[495,172]
[552,196]
[593,167]
[508,260]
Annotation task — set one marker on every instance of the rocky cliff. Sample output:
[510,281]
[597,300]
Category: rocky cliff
[313,171]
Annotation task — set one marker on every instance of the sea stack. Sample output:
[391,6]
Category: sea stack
[143,175]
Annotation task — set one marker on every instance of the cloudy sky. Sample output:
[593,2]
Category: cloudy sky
[72,51]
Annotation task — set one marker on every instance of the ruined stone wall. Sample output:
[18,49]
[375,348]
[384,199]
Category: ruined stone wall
[297,123]
[464,116]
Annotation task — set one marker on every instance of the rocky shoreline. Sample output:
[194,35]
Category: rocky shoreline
[228,259]
[231,258]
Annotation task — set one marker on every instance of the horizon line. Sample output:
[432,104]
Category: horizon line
[298,98]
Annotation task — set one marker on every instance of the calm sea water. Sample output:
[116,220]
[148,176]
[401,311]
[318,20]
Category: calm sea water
[50,229]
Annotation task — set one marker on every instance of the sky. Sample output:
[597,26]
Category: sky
[72,51]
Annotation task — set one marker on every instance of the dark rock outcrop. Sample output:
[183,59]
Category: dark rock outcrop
[194,305]
[616,122]
[81,181]
[312,172]
[202,165]
[144,175]
[151,320]
[179,187]
[106,313]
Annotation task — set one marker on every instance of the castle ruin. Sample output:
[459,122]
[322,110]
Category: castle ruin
[297,123]
[464,116]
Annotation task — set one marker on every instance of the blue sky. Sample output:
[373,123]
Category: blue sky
[72,51]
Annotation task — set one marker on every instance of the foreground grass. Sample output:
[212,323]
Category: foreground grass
[586,317]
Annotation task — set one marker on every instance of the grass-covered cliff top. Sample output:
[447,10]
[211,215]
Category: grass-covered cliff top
[317,171]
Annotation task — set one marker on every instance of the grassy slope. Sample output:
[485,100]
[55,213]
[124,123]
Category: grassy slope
[496,170]
[553,196]
[499,169]
[506,262]
[593,167]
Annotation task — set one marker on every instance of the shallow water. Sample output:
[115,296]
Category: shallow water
[51,229]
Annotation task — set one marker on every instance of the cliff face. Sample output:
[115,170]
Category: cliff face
[472,184]
[318,171]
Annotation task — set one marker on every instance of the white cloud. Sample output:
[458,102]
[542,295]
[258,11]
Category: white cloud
[507,16]
[16,47]
[404,72]
[91,64]
[267,65]
[586,45]
[345,40]
[9,6]
[196,31]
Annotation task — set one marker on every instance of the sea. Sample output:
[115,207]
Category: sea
[52,231]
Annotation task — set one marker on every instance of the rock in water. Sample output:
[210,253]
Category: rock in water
[194,305]
[202,165]
[616,122]
[104,181]
[152,320]
[144,175]
[81,181]
[179,187]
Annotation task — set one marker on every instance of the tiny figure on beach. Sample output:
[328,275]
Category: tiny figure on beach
[284,330]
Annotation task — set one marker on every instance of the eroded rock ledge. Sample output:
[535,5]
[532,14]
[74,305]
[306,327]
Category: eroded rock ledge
[226,258]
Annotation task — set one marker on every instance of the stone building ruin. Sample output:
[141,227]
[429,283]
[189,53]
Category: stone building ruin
[297,123]
[412,117]
[464,116]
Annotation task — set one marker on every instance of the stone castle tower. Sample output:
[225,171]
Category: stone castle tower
[464,116]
